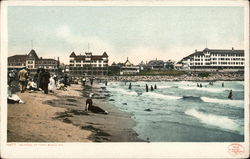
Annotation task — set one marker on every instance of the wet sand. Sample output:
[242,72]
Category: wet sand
[60,117]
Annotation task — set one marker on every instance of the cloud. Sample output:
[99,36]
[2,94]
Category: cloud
[79,44]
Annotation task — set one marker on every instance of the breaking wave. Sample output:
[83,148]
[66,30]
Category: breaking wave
[215,120]
[123,91]
[223,101]
[193,98]
[161,96]
[204,89]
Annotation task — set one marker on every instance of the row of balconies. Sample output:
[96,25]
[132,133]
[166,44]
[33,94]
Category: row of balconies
[220,63]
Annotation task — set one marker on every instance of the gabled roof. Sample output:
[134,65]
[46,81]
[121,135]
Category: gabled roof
[105,54]
[72,54]
[128,63]
[32,54]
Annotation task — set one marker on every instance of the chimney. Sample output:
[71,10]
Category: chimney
[195,50]
[232,48]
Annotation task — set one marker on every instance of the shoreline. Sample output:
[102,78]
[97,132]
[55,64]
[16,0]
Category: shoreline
[66,119]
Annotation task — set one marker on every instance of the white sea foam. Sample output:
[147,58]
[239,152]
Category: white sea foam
[161,96]
[239,103]
[164,86]
[210,119]
[204,89]
[122,91]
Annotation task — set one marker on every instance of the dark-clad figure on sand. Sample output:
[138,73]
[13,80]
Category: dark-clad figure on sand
[94,109]
[45,75]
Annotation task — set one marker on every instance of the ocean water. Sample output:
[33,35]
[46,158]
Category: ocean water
[183,112]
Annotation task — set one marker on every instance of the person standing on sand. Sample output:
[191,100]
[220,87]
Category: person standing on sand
[146,88]
[91,81]
[52,84]
[23,76]
[45,76]
[83,81]
[230,96]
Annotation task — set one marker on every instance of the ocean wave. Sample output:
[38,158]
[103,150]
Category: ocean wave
[215,120]
[214,90]
[164,86]
[204,89]
[122,91]
[161,96]
[193,98]
[223,101]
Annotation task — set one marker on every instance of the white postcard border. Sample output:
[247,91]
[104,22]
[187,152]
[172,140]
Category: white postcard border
[117,150]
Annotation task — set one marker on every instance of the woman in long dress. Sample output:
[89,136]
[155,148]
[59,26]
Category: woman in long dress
[52,84]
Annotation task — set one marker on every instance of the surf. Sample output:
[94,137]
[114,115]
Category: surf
[160,96]
[223,101]
[122,91]
[219,121]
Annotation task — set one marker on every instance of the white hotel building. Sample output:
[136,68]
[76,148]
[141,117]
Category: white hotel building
[214,60]
[88,64]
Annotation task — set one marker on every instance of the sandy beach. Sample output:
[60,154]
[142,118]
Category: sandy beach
[60,117]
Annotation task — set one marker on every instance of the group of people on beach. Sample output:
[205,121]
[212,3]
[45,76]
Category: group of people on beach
[41,81]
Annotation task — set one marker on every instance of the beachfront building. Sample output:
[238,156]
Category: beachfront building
[88,64]
[157,65]
[32,62]
[129,69]
[214,60]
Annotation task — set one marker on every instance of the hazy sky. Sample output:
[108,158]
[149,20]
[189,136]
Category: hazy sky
[140,33]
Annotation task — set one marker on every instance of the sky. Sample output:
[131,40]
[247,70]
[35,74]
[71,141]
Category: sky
[141,33]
